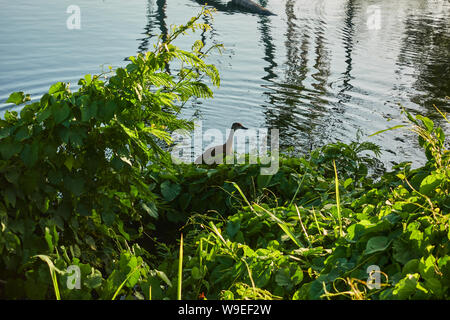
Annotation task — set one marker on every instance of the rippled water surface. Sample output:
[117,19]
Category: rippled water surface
[319,71]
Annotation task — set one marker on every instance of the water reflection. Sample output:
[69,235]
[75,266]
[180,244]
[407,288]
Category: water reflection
[347,41]
[269,45]
[297,103]
[155,18]
[425,48]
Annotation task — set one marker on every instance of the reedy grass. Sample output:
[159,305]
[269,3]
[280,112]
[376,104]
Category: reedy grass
[336,181]
[180,269]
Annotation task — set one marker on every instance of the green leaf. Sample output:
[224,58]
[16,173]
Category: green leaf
[263,181]
[83,209]
[427,122]
[106,111]
[347,182]
[164,277]
[12,176]
[10,196]
[18,98]
[427,267]
[69,162]
[297,277]
[412,266]
[60,113]
[10,149]
[406,286]
[150,209]
[430,183]
[29,154]
[196,273]
[57,87]
[232,228]
[49,239]
[74,185]
[376,244]
[388,129]
[282,278]
[22,134]
[108,217]
[170,190]
[94,280]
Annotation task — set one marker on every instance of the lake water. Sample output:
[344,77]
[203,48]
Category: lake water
[319,71]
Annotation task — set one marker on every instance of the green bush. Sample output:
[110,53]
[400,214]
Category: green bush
[278,244]
[72,171]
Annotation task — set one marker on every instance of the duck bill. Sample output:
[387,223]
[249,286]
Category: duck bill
[244,128]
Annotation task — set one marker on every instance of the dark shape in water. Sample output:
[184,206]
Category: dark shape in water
[252,6]
[237,5]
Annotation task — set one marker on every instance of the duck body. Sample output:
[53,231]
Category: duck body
[226,149]
[253,7]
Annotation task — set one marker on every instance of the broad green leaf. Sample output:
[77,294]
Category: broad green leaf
[70,160]
[170,190]
[18,98]
[74,185]
[94,280]
[406,287]
[232,228]
[376,244]
[427,122]
[22,134]
[164,277]
[430,183]
[60,113]
[108,217]
[283,278]
[196,273]
[57,87]
[427,267]
[10,149]
[29,154]
[150,209]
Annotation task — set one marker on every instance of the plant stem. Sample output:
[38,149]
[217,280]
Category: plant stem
[336,180]
[180,268]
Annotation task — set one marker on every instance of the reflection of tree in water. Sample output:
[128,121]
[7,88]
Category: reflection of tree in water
[348,33]
[154,18]
[287,109]
[269,47]
[426,48]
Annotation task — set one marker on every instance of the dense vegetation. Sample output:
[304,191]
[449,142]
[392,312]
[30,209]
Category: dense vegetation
[85,181]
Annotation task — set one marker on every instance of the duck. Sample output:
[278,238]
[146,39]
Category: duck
[224,149]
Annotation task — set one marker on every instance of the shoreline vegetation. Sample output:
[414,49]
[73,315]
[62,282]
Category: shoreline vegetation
[91,206]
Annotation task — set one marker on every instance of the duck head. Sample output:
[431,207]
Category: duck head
[237,126]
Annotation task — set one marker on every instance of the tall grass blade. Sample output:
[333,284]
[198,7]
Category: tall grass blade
[303,227]
[283,225]
[388,129]
[180,269]
[338,202]
[53,271]
[442,114]
[317,223]
[125,281]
